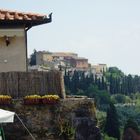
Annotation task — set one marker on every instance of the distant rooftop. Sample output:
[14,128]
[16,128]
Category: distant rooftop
[45,52]
[103,64]
[64,54]
[81,58]
[14,18]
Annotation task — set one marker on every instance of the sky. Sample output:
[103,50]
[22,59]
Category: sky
[104,31]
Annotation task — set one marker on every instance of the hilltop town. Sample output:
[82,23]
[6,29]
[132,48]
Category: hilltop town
[64,61]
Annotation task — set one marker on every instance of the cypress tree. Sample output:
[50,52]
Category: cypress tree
[112,123]
[33,58]
[75,82]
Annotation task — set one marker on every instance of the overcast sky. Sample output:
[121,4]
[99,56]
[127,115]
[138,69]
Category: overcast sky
[104,31]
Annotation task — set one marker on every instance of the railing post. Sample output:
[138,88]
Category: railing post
[63,93]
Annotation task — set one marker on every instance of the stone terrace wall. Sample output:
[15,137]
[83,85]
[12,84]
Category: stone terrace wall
[20,84]
[63,121]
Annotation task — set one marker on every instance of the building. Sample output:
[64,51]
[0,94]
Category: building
[81,63]
[64,55]
[13,38]
[66,58]
[43,57]
[100,68]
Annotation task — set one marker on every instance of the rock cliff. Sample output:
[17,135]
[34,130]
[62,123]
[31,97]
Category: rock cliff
[70,119]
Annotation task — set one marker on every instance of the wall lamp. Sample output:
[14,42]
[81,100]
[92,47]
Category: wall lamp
[7,40]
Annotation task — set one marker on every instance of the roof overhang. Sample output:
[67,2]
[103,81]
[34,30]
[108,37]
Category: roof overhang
[18,19]
[24,23]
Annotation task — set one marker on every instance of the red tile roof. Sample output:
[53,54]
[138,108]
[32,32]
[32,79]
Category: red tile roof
[14,16]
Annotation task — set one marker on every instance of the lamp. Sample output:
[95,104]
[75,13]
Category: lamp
[7,40]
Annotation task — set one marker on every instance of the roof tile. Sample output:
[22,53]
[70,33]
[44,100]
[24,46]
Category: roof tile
[13,15]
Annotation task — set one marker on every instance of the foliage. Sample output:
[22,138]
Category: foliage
[106,137]
[102,97]
[128,99]
[115,72]
[32,99]
[50,99]
[101,117]
[37,99]
[131,124]
[112,122]
[81,84]
[119,98]
[33,58]
[5,99]
[79,81]
[114,80]
[65,129]
[114,87]
[128,111]
[136,96]
[120,83]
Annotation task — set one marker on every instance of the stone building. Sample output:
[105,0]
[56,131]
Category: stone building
[81,63]
[42,57]
[13,38]
[66,58]
[100,68]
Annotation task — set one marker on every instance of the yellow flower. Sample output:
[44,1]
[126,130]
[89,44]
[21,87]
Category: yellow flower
[32,97]
[5,97]
[51,97]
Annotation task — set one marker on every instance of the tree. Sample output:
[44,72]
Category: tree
[102,97]
[112,123]
[75,82]
[119,98]
[33,58]
[131,124]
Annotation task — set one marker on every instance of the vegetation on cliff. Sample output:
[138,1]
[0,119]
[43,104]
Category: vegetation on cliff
[114,87]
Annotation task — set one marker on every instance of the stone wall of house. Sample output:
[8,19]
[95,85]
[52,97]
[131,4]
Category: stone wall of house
[13,54]
[71,118]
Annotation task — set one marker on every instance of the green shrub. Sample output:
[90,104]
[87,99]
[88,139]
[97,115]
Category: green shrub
[119,98]
[106,137]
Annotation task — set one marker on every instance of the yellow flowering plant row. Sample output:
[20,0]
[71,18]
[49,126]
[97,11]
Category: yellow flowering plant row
[37,99]
[5,99]
[50,99]
[32,97]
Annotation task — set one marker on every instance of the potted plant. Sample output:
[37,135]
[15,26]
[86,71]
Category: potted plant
[5,99]
[32,99]
[50,99]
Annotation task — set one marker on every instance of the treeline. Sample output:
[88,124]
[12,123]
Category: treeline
[114,81]
[80,82]
[118,82]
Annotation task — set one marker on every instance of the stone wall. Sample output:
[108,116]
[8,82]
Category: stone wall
[63,121]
